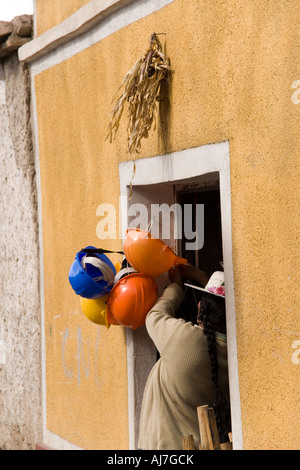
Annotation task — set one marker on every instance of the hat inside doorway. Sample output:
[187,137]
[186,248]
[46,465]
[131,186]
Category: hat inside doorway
[215,285]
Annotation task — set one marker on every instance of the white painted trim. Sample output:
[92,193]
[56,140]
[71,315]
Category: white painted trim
[79,22]
[57,443]
[130,387]
[176,167]
[41,260]
[94,21]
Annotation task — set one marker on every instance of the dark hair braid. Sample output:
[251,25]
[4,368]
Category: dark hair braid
[212,317]
[211,312]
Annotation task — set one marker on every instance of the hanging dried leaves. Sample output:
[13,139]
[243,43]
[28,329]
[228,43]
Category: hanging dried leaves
[141,92]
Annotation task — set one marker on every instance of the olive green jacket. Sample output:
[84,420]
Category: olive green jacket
[180,380]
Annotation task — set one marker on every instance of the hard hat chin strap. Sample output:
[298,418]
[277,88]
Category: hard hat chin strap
[107,273]
[124,272]
[100,251]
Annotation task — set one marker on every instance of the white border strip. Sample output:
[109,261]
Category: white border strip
[57,443]
[173,168]
[89,25]
[41,265]
[79,22]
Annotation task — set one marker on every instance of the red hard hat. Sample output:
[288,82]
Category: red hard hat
[149,255]
[130,300]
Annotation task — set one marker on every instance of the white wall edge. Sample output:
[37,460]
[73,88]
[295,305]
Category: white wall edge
[77,23]
[225,189]
[87,26]
[130,387]
[173,168]
[57,443]
[41,262]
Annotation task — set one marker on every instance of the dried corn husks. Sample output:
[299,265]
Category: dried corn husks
[141,88]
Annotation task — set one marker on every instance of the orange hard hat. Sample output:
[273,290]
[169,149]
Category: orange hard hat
[130,300]
[149,255]
[110,318]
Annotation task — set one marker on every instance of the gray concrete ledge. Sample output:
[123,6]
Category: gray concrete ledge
[81,21]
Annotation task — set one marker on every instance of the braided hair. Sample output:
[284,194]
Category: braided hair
[212,317]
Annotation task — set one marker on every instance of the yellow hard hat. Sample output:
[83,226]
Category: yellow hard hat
[118,266]
[95,310]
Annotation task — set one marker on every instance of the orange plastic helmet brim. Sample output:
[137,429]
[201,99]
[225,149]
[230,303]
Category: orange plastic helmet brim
[110,318]
[149,255]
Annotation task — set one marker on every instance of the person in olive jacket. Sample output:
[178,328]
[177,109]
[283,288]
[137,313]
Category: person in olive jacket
[192,368]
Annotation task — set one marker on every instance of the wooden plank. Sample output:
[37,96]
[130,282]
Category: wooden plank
[188,443]
[214,429]
[226,446]
[204,428]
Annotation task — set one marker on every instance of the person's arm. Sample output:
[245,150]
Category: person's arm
[160,323]
[191,273]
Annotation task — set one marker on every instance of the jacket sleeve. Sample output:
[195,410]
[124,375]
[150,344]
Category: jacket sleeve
[160,322]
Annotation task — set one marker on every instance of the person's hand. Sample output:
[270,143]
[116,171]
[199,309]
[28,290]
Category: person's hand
[175,276]
[190,272]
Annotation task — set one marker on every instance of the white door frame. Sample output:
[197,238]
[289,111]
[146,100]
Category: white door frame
[176,167]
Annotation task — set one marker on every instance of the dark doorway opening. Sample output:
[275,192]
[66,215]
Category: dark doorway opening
[210,257]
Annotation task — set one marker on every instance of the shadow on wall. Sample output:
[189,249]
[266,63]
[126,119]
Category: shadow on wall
[164,115]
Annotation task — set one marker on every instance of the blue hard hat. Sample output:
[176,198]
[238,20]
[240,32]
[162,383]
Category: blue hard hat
[91,274]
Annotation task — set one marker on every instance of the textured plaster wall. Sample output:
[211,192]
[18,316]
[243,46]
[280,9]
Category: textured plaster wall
[50,14]
[20,355]
[234,65]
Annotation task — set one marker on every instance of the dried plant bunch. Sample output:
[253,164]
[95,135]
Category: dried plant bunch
[141,87]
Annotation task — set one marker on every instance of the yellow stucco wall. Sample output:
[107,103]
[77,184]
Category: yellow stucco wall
[90,411]
[51,13]
[234,64]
